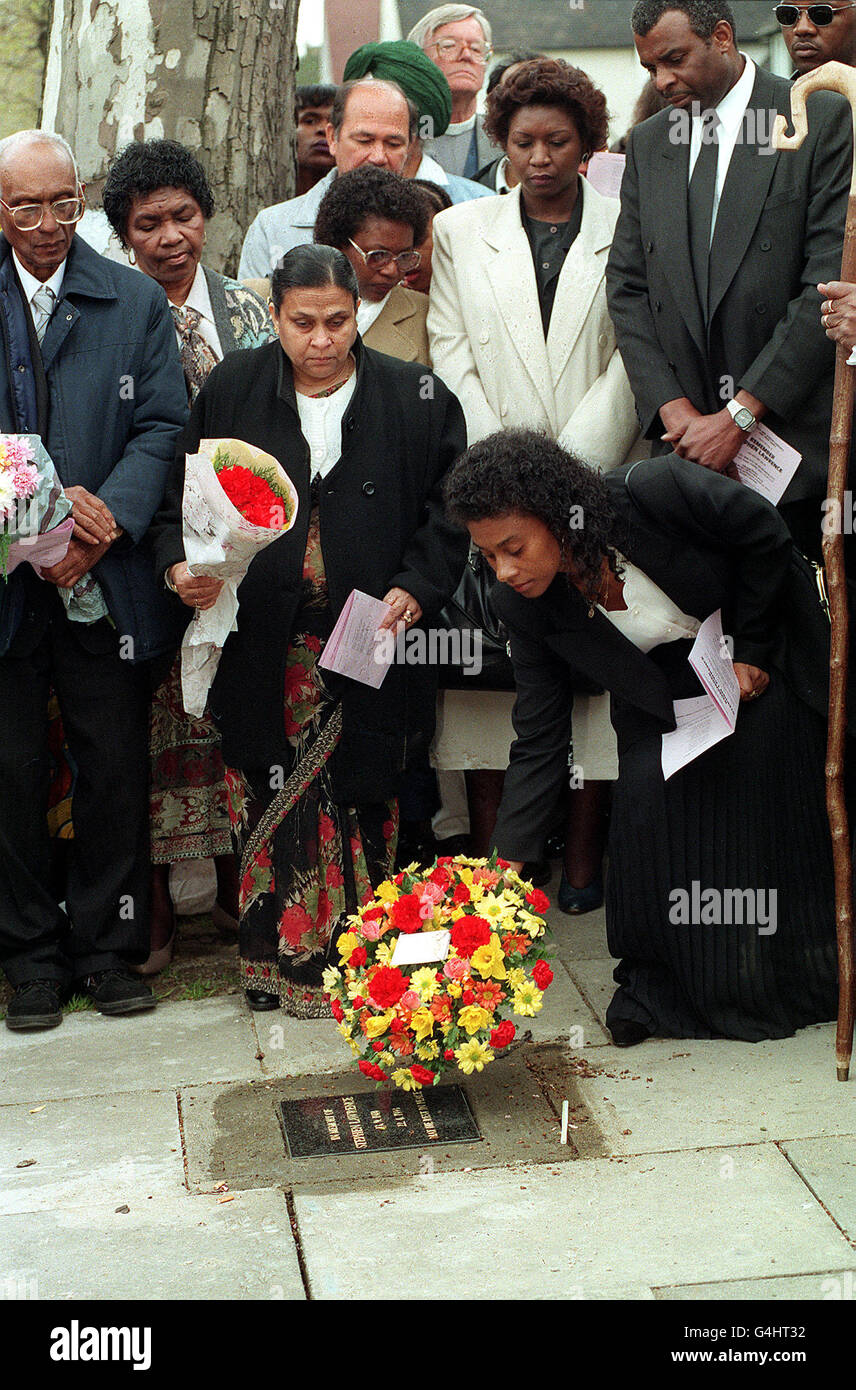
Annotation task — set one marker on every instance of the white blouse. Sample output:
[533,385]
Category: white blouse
[321,422]
[650,616]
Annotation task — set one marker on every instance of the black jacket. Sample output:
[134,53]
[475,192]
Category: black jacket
[382,524]
[779,233]
[708,543]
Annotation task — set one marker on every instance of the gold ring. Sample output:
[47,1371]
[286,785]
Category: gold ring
[408,616]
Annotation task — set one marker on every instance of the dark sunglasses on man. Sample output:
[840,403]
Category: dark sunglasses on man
[820,15]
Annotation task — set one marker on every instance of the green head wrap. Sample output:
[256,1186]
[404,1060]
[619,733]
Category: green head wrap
[419,78]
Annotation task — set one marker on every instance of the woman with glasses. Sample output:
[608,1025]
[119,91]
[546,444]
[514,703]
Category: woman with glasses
[158,200]
[376,219]
[321,756]
[519,330]
[457,38]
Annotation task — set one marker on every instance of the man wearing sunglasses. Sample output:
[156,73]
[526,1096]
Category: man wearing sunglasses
[88,361]
[457,39]
[718,251]
[817,34]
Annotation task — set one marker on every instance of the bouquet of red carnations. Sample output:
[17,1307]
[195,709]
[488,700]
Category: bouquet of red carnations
[237,500]
[434,965]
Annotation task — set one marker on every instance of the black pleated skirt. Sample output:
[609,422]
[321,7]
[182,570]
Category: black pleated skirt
[749,814]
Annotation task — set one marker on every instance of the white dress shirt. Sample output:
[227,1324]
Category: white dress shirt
[650,617]
[32,285]
[368,311]
[321,423]
[730,111]
[200,300]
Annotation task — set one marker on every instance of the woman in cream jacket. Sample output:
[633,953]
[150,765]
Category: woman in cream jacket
[519,330]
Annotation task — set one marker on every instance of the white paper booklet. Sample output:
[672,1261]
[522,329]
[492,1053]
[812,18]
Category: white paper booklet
[766,463]
[353,648]
[704,720]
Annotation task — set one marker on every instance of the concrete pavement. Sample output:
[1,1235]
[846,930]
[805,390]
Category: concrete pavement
[143,1158]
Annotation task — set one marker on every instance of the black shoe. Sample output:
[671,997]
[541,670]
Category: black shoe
[118,991]
[35,1004]
[626,1033]
[259,1002]
[537,872]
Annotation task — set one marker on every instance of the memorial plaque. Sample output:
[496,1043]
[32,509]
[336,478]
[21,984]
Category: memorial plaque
[373,1121]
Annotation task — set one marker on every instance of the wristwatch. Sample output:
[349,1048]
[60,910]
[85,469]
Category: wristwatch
[742,417]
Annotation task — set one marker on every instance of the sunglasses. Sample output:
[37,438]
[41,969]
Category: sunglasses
[820,15]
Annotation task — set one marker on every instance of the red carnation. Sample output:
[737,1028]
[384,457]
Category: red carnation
[468,934]
[449,1055]
[405,913]
[461,894]
[422,1075]
[378,1045]
[254,498]
[468,997]
[337,1010]
[359,1003]
[503,1035]
[387,986]
[358,957]
[371,1069]
[441,876]
[372,914]
[538,901]
[542,974]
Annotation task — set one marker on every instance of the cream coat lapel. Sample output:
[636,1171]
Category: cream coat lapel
[580,278]
[512,278]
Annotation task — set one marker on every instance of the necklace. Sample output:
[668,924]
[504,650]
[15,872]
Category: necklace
[337,385]
[602,594]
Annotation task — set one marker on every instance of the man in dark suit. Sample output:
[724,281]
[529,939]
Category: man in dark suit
[88,360]
[721,243]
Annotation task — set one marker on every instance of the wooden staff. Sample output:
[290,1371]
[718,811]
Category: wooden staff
[836,77]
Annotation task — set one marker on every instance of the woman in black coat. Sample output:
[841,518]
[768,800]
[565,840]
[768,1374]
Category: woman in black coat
[720,897]
[315,759]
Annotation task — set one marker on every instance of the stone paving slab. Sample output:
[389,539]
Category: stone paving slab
[678,1093]
[170,1248]
[579,938]
[593,979]
[233,1133]
[179,1043]
[120,1149]
[579,1230]
[828,1166]
[837,1284]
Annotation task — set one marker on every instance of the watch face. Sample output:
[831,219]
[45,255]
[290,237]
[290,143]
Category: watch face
[744,419]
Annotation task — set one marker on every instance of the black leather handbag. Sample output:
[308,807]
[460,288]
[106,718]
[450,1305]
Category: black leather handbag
[483,638]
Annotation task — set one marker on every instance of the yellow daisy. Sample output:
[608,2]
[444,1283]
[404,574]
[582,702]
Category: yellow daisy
[527,999]
[472,1056]
[424,981]
[404,1079]
[473,1018]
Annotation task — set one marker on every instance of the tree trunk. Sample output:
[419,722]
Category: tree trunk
[218,75]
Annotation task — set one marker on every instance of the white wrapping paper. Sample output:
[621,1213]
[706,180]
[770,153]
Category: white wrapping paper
[219,543]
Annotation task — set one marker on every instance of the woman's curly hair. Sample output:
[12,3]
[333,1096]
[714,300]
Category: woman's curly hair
[366,192]
[526,471]
[550,82]
[145,166]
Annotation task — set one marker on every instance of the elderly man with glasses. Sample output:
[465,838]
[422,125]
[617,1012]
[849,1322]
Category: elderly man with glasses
[88,361]
[457,38]
[817,34]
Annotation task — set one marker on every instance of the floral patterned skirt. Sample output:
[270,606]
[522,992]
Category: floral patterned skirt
[188,800]
[306,860]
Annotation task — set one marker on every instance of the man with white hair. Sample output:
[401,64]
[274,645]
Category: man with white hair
[458,39]
[88,361]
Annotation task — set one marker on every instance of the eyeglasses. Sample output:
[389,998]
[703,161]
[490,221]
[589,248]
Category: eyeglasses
[821,15]
[379,260]
[454,49]
[27,217]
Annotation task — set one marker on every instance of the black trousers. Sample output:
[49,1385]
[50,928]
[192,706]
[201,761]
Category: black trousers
[104,704]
